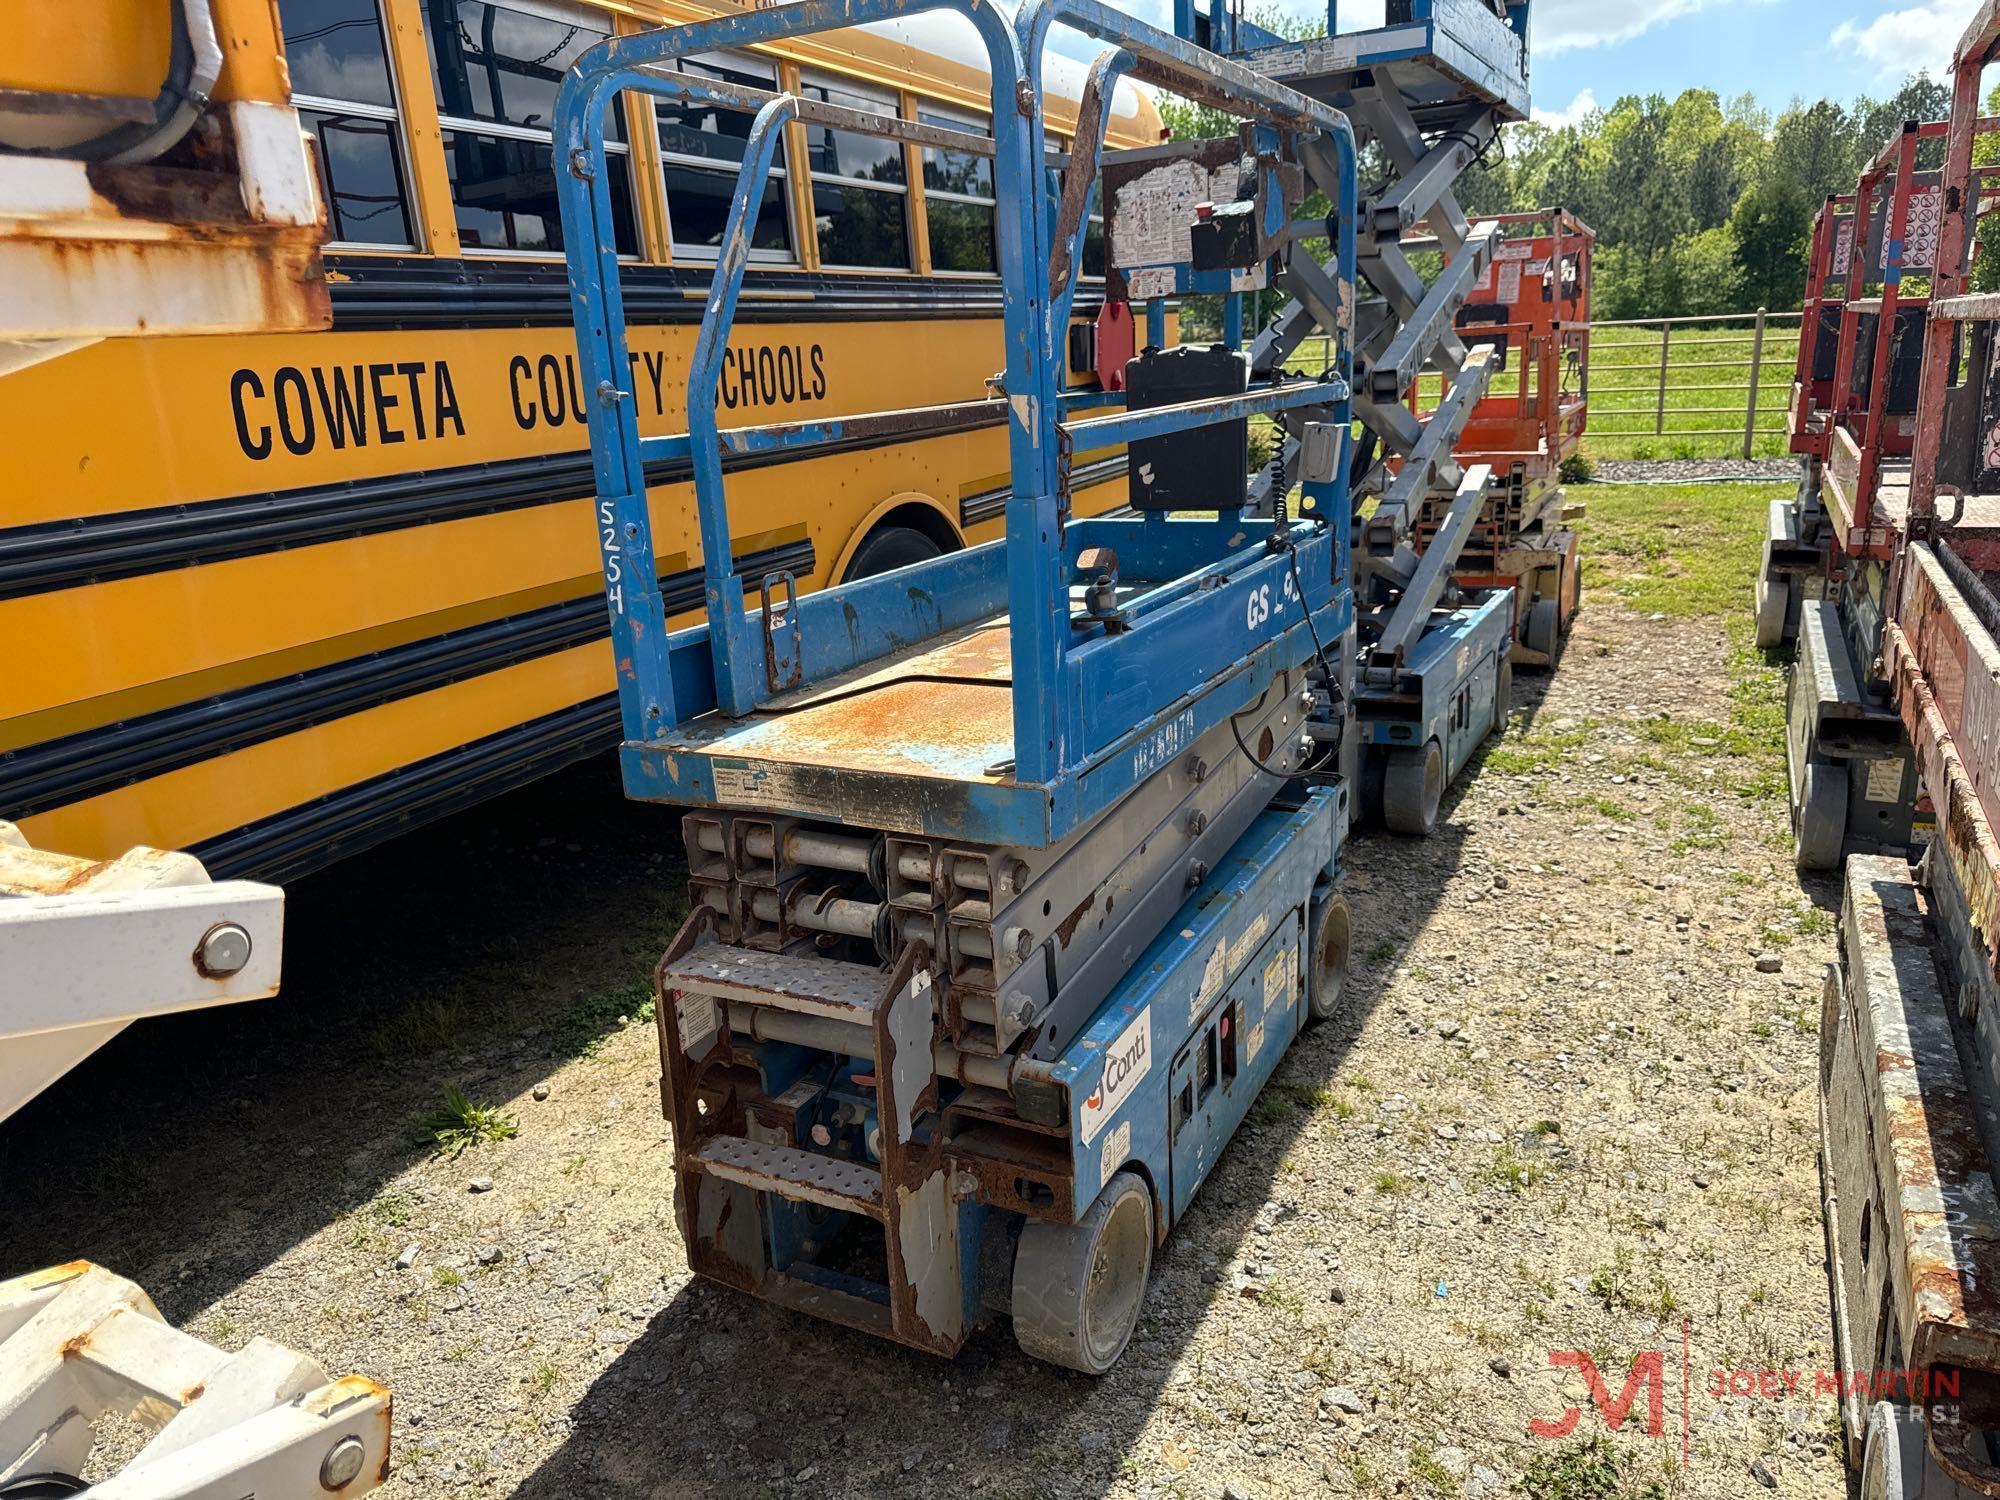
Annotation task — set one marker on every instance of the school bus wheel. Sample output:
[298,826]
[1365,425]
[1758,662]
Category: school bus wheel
[906,535]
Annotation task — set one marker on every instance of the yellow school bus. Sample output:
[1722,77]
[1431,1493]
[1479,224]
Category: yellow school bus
[273,598]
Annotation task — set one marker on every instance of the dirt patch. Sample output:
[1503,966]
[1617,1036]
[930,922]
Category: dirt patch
[1566,1112]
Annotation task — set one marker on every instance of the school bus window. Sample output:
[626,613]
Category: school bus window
[347,99]
[496,69]
[958,199]
[858,187]
[702,147]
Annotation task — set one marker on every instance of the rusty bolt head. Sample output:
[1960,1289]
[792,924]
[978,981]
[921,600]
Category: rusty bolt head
[1017,876]
[342,1464]
[1197,769]
[223,950]
[1021,1011]
[1020,941]
[1197,823]
[1197,873]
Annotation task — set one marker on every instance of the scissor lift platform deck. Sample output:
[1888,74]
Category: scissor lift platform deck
[1446,55]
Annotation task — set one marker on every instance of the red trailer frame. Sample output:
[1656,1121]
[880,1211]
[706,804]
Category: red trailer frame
[1910,1039]
[1829,263]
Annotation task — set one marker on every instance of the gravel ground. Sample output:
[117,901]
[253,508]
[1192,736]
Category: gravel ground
[1690,470]
[1572,1109]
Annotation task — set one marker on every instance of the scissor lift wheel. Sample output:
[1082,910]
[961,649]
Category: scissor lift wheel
[1078,1287]
[1412,787]
[1895,1462]
[1332,940]
[1774,607]
[1503,693]
[1543,632]
[1822,815]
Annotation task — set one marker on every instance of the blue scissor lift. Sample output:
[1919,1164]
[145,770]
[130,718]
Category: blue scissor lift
[1014,872]
[1431,89]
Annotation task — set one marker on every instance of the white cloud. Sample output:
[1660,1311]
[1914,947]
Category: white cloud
[1909,40]
[1580,108]
[1564,25]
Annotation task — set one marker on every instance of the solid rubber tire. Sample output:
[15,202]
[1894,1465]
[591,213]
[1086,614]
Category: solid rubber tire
[1822,815]
[1412,788]
[1079,1288]
[1543,632]
[1774,603]
[1331,941]
[1895,1462]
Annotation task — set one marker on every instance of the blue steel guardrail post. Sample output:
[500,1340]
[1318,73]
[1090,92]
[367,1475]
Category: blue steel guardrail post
[627,555]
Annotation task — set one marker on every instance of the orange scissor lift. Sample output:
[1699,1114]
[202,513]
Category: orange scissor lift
[1532,307]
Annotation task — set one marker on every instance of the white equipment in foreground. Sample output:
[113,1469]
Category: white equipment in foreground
[78,1344]
[87,947]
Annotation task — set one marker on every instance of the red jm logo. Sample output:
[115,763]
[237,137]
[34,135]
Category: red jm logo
[1648,1373]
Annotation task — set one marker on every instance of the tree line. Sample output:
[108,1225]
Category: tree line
[1701,205]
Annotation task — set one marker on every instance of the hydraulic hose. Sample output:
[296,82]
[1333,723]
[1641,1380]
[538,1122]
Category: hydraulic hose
[194,62]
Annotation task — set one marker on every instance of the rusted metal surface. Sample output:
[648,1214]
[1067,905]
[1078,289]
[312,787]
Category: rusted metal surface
[1965,833]
[1913,1224]
[27,871]
[80,1346]
[1959,663]
[229,244]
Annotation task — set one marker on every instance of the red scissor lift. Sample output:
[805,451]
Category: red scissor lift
[1533,307]
[1795,555]
[1910,1033]
[1827,552]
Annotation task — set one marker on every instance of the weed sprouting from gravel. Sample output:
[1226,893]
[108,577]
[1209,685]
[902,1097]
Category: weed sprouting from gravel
[1607,1282]
[461,1124]
[1512,1171]
[1588,1470]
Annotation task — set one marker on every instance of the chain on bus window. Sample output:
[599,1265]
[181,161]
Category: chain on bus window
[346,97]
[496,69]
[701,146]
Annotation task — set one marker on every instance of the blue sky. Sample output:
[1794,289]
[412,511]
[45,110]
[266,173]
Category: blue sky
[1775,49]
[1587,50]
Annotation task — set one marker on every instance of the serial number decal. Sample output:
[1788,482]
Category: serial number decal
[1163,744]
[749,784]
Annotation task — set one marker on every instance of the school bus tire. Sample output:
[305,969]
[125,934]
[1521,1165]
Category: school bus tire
[888,547]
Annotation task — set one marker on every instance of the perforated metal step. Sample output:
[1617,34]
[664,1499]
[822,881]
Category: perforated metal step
[807,986]
[794,1175]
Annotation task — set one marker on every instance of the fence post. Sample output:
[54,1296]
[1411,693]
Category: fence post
[1660,415]
[1756,373]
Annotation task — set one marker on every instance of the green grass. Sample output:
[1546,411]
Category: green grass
[1625,391]
[1625,406]
[1587,1470]
[1684,551]
[460,1123]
